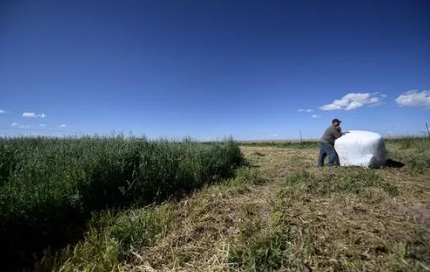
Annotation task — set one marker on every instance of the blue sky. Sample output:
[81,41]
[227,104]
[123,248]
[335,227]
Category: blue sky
[209,69]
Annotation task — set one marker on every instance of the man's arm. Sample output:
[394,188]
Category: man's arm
[337,133]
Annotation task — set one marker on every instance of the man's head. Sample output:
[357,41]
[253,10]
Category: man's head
[336,122]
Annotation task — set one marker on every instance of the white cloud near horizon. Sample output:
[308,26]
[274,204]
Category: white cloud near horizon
[414,98]
[33,115]
[354,101]
[29,115]
[62,126]
[315,116]
[305,110]
[15,124]
[42,125]
[2,111]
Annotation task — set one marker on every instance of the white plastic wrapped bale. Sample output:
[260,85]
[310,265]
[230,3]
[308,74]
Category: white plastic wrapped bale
[361,148]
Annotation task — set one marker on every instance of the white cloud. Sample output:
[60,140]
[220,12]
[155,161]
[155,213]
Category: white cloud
[62,126]
[315,116]
[305,110]
[353,101]
[354,105]
[2,111]
[33,115]
[42,125]
[15,124]
[414,98]
[374,100]
[330,107]
[29,115]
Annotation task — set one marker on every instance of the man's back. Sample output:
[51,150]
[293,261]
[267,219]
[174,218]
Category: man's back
[331,134]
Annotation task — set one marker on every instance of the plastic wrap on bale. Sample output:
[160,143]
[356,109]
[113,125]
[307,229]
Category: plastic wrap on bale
[361,148]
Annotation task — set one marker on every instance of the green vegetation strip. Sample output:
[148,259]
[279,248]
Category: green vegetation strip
[51,187]
[111,240]
[303,185]
[413,152]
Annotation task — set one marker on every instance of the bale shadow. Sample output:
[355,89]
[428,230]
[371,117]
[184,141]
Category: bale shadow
[394,164]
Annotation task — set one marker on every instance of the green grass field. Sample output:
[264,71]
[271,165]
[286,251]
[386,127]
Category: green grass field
[51,188]
[119,204]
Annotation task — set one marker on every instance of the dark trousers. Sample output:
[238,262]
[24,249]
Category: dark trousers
[327,149]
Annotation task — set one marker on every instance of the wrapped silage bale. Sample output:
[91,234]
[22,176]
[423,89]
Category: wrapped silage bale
[361,148]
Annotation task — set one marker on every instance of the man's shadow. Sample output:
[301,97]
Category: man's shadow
[393,164]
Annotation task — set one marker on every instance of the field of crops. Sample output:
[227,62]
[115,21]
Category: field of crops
[51,188]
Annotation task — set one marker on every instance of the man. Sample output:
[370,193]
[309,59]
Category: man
[332,133]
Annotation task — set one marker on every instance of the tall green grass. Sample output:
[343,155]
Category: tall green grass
[49,188]
[413,152]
